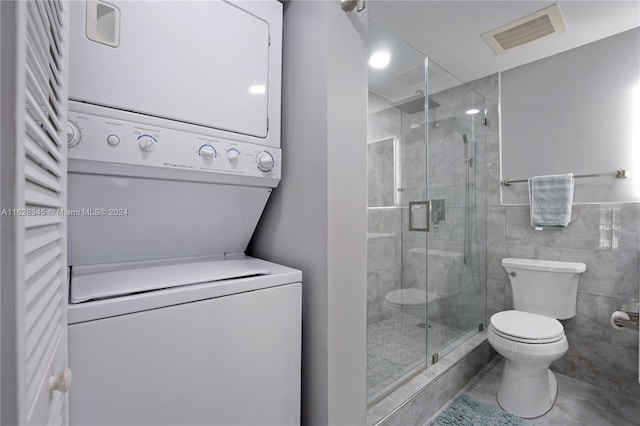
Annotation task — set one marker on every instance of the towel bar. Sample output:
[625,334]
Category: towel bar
[619,174]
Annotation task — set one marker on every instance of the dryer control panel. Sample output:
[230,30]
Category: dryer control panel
[106,140]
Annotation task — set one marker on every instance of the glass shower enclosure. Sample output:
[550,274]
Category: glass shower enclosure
[426,215]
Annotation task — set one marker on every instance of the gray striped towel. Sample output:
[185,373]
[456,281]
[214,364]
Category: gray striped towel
[551,198]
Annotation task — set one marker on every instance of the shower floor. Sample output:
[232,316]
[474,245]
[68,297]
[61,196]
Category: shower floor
[396,350]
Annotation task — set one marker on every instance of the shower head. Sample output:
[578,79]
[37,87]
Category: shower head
[415,103]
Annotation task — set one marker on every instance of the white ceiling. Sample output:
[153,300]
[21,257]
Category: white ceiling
[448,32]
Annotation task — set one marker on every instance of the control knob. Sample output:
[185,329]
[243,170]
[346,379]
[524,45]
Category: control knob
[233,155]
[73,134]
[113,140]
[265,161]
[208,152]
[146,143]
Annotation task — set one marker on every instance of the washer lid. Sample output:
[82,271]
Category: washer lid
[127,304]
[525,325]
[100,282]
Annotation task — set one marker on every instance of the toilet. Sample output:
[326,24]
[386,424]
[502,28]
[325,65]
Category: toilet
[442,283]
[530,337]
[412,301]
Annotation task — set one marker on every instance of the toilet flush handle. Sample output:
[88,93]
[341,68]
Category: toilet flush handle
[512,273]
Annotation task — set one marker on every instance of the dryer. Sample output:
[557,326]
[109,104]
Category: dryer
[213,64]
[174,149]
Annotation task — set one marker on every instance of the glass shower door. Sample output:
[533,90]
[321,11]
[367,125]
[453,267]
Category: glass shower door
[426,213]
[456,169]
[397,293]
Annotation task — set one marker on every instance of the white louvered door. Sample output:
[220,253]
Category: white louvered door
[40,200]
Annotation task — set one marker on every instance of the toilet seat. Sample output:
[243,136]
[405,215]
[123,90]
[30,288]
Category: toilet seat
[526,327]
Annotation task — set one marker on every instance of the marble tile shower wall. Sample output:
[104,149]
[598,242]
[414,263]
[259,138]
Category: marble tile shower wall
[413,158]
[606,237]
[384,223]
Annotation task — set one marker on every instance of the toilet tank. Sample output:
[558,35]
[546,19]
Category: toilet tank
[544,287]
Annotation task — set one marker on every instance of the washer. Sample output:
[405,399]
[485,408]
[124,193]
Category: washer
[191,348]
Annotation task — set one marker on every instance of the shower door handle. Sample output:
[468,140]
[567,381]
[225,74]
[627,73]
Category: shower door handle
[412,205]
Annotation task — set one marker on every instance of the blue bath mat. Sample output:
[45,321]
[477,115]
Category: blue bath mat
[467,411]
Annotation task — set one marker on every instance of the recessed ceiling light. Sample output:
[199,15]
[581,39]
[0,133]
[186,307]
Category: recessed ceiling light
[257,89]
[380,59]
[472,111]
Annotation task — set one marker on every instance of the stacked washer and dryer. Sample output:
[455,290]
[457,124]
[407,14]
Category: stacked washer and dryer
[174,149]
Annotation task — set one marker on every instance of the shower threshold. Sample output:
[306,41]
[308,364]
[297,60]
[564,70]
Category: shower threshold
[398,398]
[397,350]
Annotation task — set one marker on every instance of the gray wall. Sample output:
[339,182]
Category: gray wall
[597,353]
[575,112]
[316,219]
[9,404]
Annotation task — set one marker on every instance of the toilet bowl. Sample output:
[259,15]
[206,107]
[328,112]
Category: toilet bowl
[530,337]
[529,343]
[412,301]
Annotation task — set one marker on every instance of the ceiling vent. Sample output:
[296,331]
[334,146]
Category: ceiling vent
[538,25]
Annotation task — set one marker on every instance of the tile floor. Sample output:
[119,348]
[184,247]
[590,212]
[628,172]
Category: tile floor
[396,347]
[578,403]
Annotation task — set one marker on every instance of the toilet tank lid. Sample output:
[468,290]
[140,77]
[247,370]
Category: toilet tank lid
[544,265]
